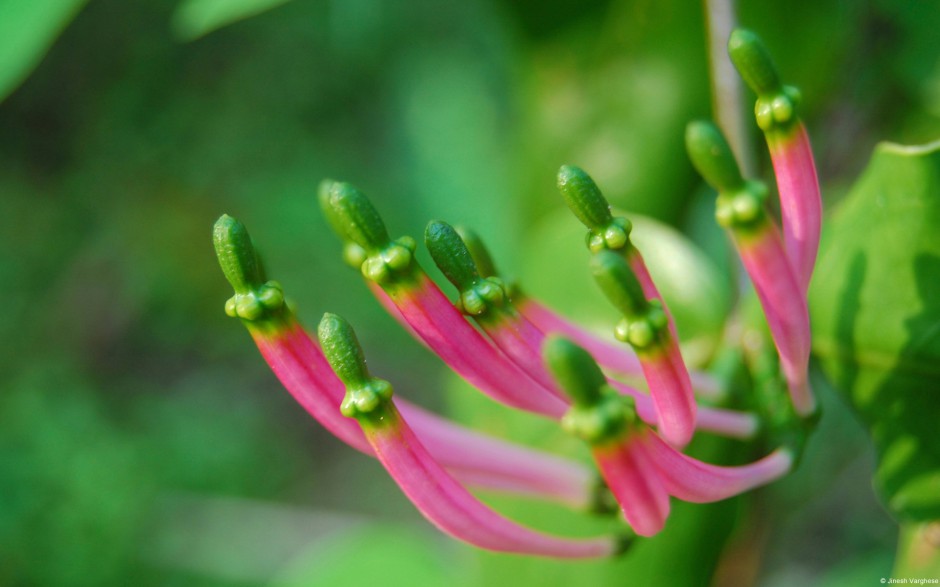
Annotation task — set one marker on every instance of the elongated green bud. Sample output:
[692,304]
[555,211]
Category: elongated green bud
[255,299]
[712,157]
[583,197]
[575,370]
[478,252]
[776,107]
[451,255]
[599,413]
[752,59]
[477,294]
[353,254]
[365,395]
[644,324]
[740,203]
[236,254]
[619,283]
[351,212]
[342,350]
[585,200]
[380,258]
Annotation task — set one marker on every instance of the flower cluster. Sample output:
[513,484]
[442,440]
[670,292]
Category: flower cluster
[524,355]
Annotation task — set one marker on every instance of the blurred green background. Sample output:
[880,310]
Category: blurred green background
[143,441]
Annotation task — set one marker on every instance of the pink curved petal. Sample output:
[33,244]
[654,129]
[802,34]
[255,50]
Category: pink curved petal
[671,391]
[303,370]
[450,507]
[522,342]
[667,376]
[389,306]
[635,483]
[692,480]
[480,460]
[445,330]
[489,463]
[616,357]
[729,423]
[720,421]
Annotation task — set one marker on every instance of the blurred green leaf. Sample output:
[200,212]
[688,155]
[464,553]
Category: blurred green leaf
[27,30]
[197,18]
[875,305]
[394,556]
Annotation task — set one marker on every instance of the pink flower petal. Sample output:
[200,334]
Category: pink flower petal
[482,461]
[720,421]
[635,482]
[672,396]
[303,370]
[522,342]
[800,201]
[450,507]
[445,330]
[691,480]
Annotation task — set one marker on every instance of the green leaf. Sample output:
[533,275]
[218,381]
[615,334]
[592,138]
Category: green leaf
[875,305]
[197,18]
[27,30]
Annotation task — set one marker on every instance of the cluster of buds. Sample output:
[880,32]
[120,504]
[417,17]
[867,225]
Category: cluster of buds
[524,355]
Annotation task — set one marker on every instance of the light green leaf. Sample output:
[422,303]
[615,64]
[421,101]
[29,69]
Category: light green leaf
[875,305]
[197,18]
[27,30]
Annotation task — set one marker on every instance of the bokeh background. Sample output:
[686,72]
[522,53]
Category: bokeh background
[142,439]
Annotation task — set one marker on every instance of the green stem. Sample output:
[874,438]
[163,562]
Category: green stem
[727,90]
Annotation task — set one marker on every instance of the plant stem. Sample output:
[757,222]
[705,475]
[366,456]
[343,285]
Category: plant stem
[727,91]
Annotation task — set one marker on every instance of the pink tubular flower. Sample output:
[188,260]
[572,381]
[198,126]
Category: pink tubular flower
[508,346]
[436,494]
[511,371]
[790,151]
[784,306]
[741,210]
[299,364]
[427,311]
[645,328]
[642,470]
[487,301]
[616,359]
[635,483]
